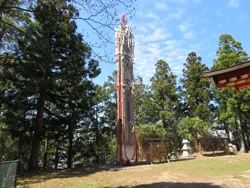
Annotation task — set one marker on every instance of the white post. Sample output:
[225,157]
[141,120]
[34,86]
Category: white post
[186,148]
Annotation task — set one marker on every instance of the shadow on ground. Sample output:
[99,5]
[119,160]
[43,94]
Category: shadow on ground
[174,185]
[216,154]
[42,176]
[182,159]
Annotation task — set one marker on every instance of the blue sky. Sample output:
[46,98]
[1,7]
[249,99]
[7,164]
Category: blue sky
[170,29]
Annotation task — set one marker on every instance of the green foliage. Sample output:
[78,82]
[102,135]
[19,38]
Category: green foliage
[112,147]
[8,146]
[229,53]
[231,105]
[49,101]
[109,102]
[191,128]
[47,93]
[49,76]
[145,111]
[165,98]
[165,102]
[149,131]
[196,89]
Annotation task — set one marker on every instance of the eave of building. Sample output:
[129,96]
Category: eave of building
[237,76]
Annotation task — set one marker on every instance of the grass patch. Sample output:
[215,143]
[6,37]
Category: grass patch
[226,165]
[179,170]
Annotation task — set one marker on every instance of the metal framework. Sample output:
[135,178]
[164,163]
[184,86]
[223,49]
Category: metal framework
[127,146]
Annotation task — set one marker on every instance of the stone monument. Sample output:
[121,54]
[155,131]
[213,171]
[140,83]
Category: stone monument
[186,148]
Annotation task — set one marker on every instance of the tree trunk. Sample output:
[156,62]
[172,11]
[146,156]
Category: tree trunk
[227,133]
[36,139]
[242,137]
[97,138]
[247,139]
[45,151]
[97,145]
[244,130]
[70,148]
[57,155]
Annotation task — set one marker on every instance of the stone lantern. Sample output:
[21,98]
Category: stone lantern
[186,148]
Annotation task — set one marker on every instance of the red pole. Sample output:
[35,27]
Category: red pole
[120,106]
[120,133]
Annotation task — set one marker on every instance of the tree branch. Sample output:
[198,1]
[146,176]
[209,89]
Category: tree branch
[19,8]
[11,26]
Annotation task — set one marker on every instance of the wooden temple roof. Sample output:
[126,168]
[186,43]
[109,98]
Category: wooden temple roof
[237,76]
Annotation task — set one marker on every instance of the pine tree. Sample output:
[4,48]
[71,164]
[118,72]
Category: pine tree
[229,54]
[165,100]
[196,98]
[196,89]
[109,100]
[52,67]
[164,93]
[145,112]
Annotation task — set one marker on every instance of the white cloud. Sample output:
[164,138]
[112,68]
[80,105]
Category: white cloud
[195,46]
[186,25]
[211,54]
[182,27]
[155,42]
[157,35]
[171,42]
[189,34]
[177,15]
[186,28]
[152,15]
[152,25]
[161,6]
[174,52]
[233,3]
[152,32]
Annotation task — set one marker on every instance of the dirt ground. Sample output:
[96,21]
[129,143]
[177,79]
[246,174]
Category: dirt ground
[231,171]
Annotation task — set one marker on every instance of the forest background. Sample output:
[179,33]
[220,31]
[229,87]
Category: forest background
[53,114]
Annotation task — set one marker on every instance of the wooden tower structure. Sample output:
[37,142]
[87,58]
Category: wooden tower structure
[127,146]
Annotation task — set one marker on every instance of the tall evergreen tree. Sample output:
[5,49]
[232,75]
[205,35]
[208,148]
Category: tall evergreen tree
[52,66]
[165,99]
[196,97]
[145,112]
[164,93]
[109,100]
[231,53]
[196,89]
